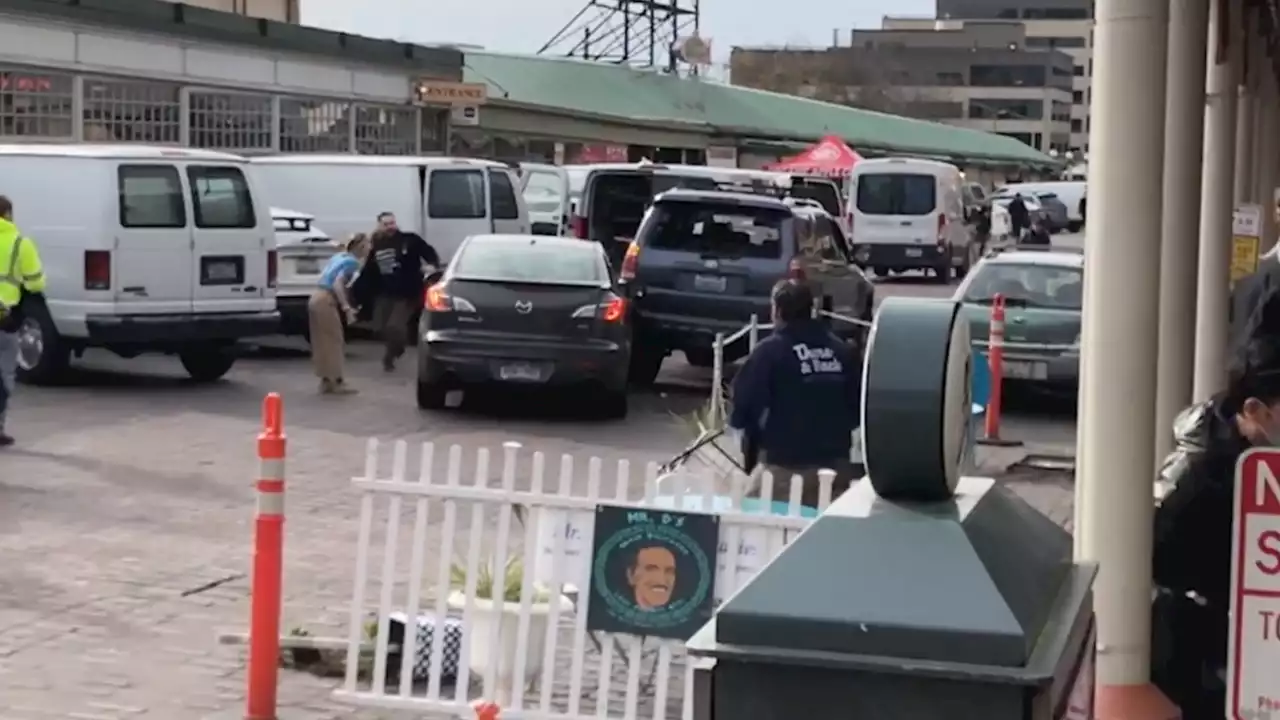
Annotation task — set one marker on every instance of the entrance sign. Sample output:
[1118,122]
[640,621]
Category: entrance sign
[1253,682]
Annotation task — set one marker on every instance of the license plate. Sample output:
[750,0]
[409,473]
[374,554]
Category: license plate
[709,283]
[307,266]
[521,372]
[914,252]
[1024,370]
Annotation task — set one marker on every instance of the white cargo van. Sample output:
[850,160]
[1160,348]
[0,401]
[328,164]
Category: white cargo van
[443,199]
[145,249]
[909,214]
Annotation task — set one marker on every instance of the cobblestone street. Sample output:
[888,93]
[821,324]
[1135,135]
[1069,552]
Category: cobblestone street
[126,516]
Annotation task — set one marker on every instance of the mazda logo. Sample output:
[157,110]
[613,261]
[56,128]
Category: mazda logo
[524,307]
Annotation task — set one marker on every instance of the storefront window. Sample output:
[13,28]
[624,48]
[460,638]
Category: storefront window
[132,111]
[435,131]
[36,105]
[223,121]
[321,126]
[470,142]
[386,130]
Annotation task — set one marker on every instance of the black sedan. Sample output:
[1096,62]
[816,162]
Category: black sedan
[527,310]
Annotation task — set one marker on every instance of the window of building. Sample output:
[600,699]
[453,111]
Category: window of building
[456,194]
[151,197]
[1077,97]
[502,196]
[1064,41]
[386,130]
[435,130]
[950,78]
[220,197]
[224,121]
[1077,125]
[132,111]
[36,105]
[1078,71]
[1007,76]
[322,126]
[1015,109]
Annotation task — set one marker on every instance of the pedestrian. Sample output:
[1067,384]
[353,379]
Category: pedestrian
[21,279]
[1191,566]
[396,267]
[798,397]
[329,311]
[1249,291]
[1019,216]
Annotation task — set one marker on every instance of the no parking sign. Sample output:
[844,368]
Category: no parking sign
[1253,683]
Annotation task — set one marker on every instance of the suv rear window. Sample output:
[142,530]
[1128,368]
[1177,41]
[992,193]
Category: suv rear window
[825,193]
[896,194]
[717,229]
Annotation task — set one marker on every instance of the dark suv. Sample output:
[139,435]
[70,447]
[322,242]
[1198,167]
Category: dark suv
[703,262]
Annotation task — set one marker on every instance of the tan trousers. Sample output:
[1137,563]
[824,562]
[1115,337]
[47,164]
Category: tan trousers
[327,340]
[391,318]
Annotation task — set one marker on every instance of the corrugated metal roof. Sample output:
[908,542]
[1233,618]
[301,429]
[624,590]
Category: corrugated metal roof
[626,93]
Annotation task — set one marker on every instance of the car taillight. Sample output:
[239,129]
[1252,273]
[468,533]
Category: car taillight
[578,226]
[630,262]
[437,300]
[795,270]
[613,310]
[97,269]
[273,268]
[942,229]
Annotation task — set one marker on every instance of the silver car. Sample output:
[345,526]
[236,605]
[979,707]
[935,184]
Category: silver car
[1054,211]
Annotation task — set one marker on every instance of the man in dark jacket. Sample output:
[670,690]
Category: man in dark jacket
[1019,215]
[1249,292]
[394,272]
[798,397]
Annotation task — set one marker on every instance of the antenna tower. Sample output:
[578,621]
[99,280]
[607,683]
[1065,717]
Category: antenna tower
[628,32]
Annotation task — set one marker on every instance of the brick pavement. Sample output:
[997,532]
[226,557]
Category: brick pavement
[129,493]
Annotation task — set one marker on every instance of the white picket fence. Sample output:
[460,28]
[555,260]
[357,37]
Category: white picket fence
[532,653]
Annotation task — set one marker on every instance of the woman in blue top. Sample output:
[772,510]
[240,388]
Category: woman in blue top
[329,306]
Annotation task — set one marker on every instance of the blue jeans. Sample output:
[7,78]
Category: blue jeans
[8,370]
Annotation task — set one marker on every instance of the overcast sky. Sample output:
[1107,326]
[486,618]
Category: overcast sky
[524,25]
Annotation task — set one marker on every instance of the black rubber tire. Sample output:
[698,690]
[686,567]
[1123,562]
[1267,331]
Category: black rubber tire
[700,357]
[646,363]
[207,363]
[613,405]
[431,395]
[56,356]
[942,273]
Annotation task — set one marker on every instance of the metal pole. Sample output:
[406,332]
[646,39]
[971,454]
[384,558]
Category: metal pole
[1121,314]
[1216,194]
[1183,145]
[1242,182]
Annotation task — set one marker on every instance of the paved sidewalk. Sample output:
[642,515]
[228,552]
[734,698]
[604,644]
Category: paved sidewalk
[125,526]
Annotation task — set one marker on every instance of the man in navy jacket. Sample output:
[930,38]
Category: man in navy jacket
[798,397]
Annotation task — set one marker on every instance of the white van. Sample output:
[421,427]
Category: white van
[1070,192]
[443,199]
[548,194]
[909,214]
[303,249]
[146,249]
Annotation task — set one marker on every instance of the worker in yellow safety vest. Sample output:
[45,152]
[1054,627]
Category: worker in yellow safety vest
[20,273]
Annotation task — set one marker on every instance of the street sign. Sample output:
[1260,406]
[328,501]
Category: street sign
[1253,684]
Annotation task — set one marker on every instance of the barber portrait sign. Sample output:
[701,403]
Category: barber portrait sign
[652,571]
[1253,658]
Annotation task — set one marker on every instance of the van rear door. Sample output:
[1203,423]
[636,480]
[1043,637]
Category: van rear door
[232,240]
[456,205]
[899,208]
[149,269]
[507,210]
[545,189]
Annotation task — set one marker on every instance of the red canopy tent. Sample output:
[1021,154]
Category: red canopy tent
[830,157]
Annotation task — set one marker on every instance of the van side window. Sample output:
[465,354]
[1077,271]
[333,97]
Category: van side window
[221,198]
[151,197]
[456,194]
[503,197]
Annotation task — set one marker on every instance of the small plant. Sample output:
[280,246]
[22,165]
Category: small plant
[512,581]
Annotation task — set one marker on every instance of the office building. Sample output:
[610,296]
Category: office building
[985,76]
[287,11]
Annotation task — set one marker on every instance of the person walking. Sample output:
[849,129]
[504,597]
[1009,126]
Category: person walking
[395,268]
[329,311]
[798,397]
[21,277]
[1019,216]
[1191,566]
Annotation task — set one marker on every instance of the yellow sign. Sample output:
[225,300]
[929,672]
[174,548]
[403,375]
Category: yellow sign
[1244,256]
[442,92]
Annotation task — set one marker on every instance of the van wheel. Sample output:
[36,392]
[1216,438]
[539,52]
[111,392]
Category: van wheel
[700,357]
[613,404]
[43,356]
[942,272]
[431,395]
[207,363]
[646,362]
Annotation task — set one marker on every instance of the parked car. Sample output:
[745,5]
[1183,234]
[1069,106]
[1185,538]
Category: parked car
[1043,300]
[147,249]
[1070,192]
[526,310]
[1055,211]
[302,249]
[1035,210]
[704,262]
